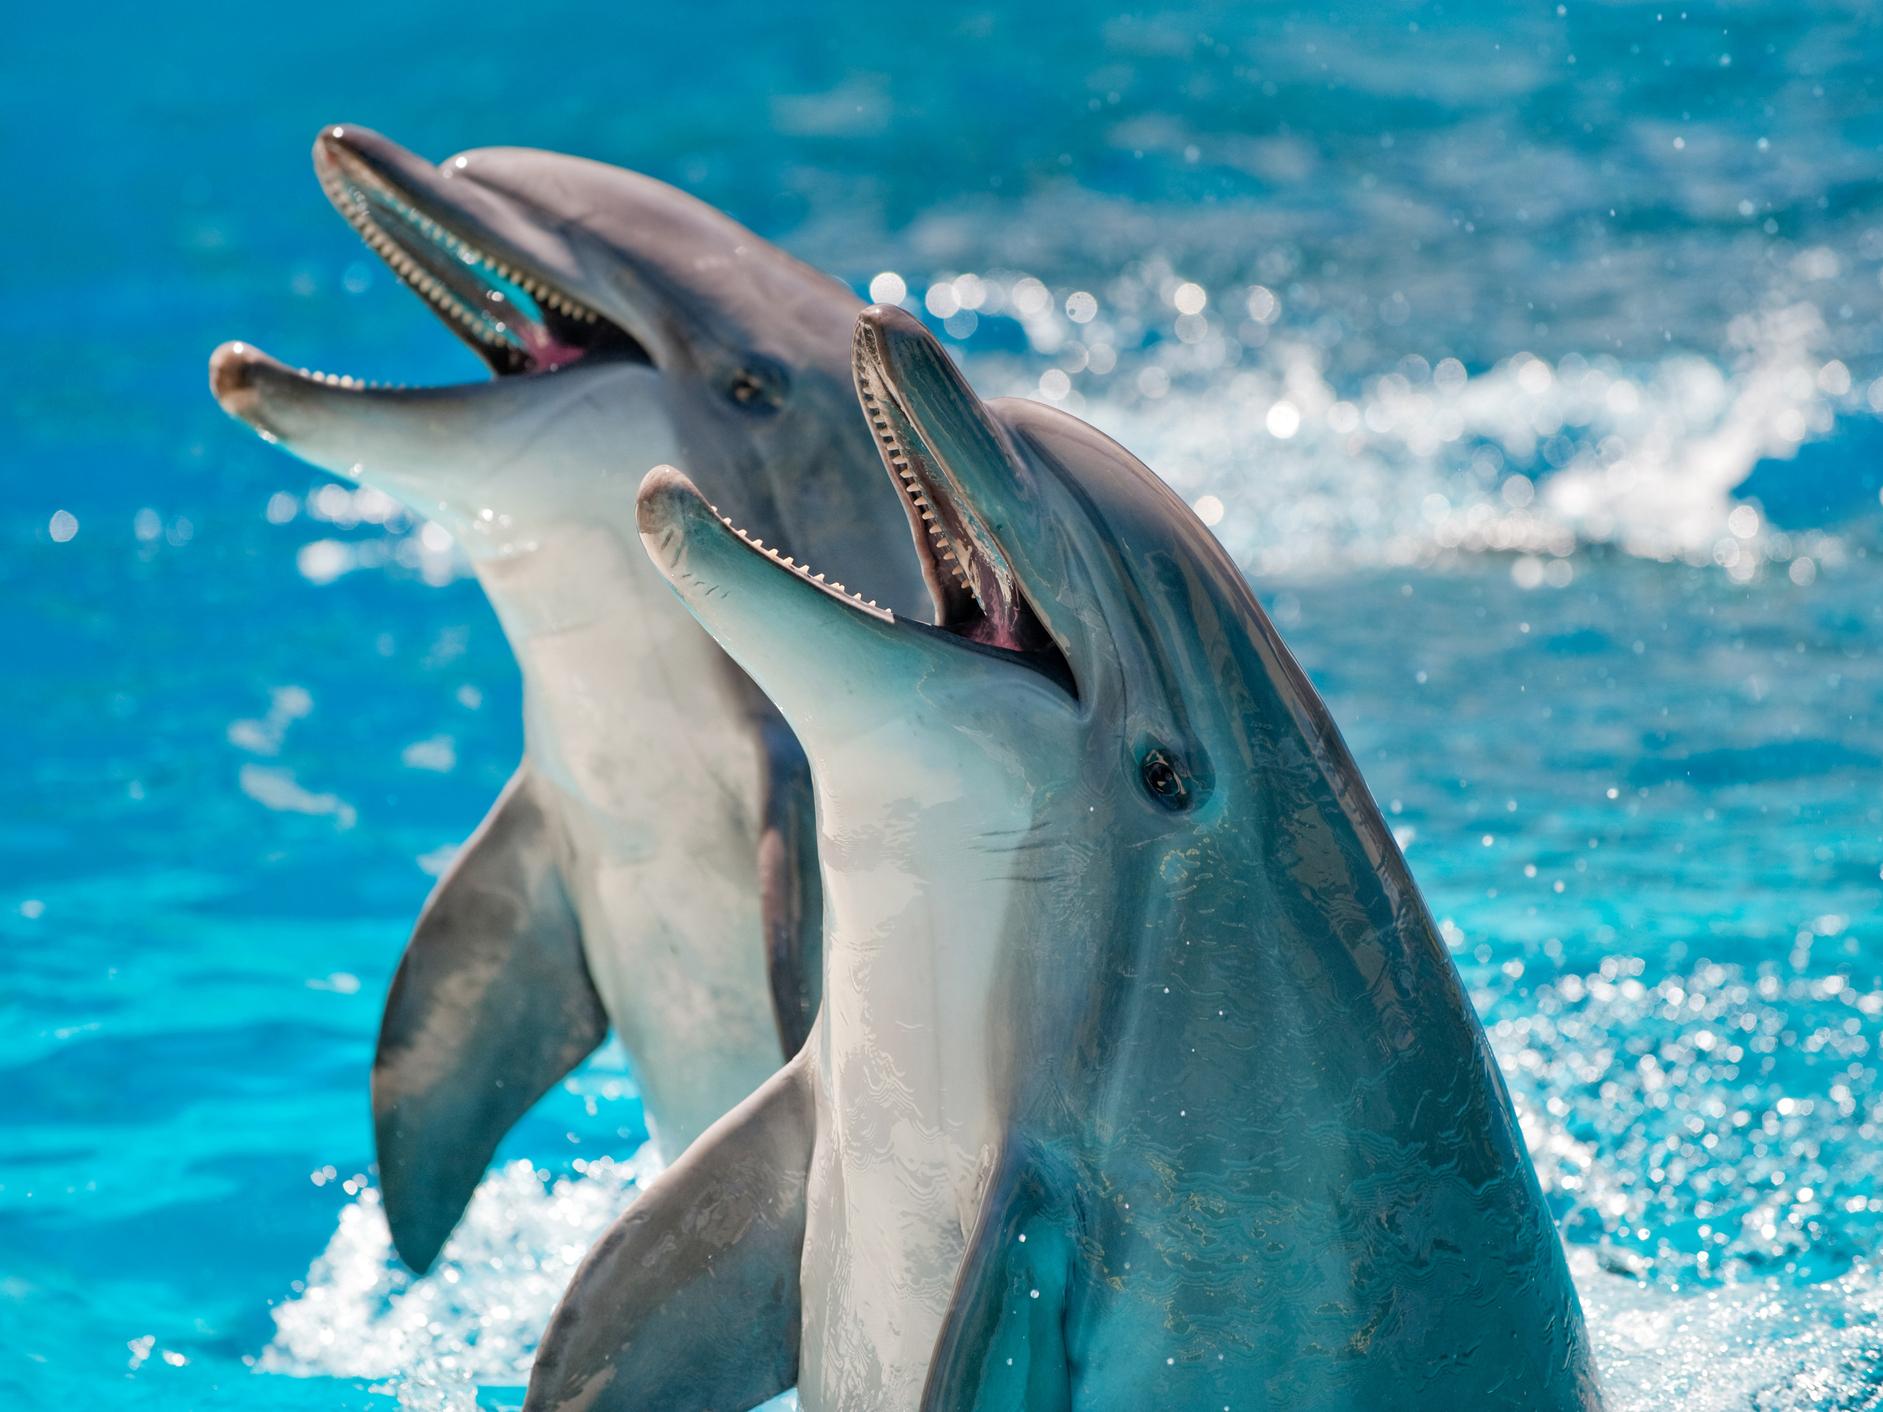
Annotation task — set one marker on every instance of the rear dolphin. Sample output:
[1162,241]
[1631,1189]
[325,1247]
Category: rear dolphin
[651,865]
[1143,1078]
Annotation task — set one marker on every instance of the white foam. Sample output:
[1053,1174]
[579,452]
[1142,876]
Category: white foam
[474,1320]
[475,1317]
[277,789]
[1528,456]
[1755,1347]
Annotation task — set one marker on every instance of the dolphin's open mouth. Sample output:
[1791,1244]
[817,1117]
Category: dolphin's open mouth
[928,426]
[515,316]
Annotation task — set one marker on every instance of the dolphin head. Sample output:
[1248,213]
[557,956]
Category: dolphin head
[617,315]
[1089,632]
[1098,678]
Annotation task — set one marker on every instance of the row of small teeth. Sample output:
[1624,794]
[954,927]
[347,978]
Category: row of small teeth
[352,203]
[892,449]
[803,571]
[349,382]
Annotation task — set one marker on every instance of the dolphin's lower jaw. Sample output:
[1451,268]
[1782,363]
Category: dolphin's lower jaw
[667,498]
[247,383]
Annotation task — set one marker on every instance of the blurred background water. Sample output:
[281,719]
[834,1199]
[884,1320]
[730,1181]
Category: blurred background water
[1527,357]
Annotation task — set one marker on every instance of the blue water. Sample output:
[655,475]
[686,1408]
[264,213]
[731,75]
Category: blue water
[1528,359]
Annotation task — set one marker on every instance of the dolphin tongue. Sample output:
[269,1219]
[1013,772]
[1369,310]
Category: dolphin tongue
[928,424]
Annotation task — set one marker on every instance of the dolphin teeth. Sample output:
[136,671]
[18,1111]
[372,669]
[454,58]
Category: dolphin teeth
[897,459]
[802,570]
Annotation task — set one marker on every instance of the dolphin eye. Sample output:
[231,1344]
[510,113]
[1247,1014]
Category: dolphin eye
[758,387]
[1163,781]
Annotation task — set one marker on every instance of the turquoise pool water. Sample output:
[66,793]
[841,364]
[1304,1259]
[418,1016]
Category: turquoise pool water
[1529,362]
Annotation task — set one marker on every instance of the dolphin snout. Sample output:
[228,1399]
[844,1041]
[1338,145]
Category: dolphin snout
[232,382]
[342,145]
[665,497]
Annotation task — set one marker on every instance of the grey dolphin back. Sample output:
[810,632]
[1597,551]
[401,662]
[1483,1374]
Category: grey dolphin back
[491,1005]
[790,890]
[691,1299]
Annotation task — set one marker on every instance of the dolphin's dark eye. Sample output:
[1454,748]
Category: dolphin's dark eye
[1162,780]
[758,387]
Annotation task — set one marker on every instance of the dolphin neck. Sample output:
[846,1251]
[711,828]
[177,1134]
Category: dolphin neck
[914,927]
[615,675]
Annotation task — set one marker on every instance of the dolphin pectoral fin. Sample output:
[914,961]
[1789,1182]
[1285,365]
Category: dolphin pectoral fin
[491,1005]
[790,892]
[691,1299]
[1003,1343]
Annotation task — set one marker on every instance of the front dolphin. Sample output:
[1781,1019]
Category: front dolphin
[1143,1079]
[651,863]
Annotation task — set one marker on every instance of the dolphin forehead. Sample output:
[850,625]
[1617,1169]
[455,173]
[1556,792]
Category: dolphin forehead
[679,246]
[1117,518]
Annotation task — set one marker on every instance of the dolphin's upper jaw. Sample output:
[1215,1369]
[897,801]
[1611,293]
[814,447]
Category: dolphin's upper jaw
[976,593]
[956,603]
[512,313]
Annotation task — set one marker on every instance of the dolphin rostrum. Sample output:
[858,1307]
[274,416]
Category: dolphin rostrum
[1143,1078]
[651,864]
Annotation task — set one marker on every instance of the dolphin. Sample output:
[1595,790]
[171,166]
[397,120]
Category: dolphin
[1143,1077]
[651,864]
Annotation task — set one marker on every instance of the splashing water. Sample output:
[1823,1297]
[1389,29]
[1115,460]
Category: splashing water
[471,1324]
[475,1317]
[1296,475]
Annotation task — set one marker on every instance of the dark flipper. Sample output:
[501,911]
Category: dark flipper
[790,892]
[691,1300]
[1003,1343]
[491,1005]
